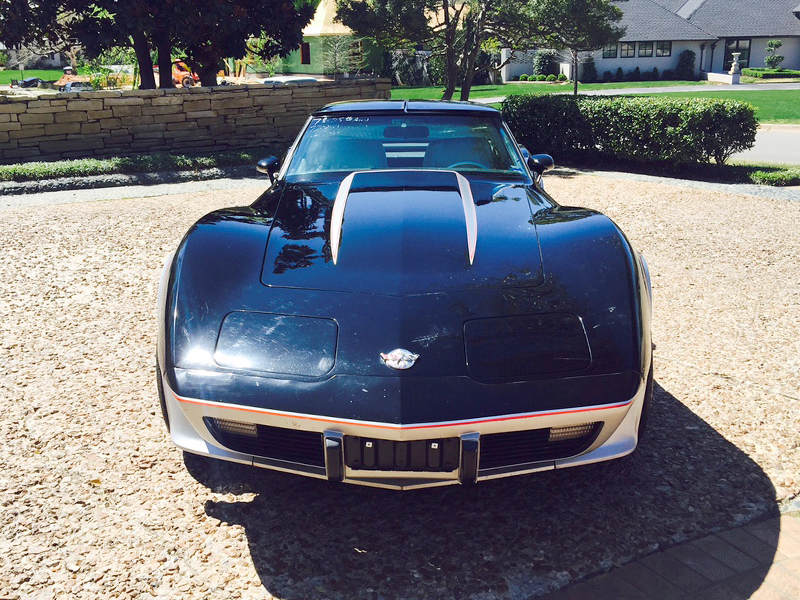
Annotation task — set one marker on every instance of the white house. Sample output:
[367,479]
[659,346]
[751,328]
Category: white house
[657,31]
[52,60]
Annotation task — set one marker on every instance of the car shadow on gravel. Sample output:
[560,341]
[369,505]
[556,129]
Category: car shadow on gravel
[511,538]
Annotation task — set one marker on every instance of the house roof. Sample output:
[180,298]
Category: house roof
[649,20]
[323,22]
[745,18]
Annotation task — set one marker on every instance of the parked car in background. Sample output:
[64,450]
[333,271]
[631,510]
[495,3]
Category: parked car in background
[286,79]
[405,306]
[30,82]
[77,86]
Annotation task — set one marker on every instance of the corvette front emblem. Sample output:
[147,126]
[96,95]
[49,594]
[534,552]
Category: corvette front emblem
[399,359]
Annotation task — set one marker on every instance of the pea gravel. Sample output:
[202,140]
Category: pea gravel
[95,502]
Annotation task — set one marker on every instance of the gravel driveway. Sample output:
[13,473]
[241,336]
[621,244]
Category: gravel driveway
[95,502]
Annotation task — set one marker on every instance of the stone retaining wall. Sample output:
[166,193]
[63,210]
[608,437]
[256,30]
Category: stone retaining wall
[72,125]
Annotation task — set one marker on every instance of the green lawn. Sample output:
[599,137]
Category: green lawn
[774,106]
[509,89]
[47,75]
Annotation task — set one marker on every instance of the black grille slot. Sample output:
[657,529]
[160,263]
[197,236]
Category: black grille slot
[304,447]
[384,455]
[520,447]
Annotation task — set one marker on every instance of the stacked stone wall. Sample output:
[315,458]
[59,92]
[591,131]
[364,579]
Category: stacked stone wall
[113,123]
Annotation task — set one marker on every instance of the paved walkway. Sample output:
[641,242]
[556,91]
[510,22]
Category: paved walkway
[758,562]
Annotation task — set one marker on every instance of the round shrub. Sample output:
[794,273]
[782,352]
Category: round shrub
[551,77]
[561,77]
[620,74]
[541,77]
[668,75]
[523,77]
[607,76]
[635,75]
[515,78]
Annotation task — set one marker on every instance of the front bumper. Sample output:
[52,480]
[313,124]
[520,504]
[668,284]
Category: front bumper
[422,454]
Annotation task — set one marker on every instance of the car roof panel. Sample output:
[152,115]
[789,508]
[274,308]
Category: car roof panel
[405,106]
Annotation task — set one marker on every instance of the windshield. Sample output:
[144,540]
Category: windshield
[355,143]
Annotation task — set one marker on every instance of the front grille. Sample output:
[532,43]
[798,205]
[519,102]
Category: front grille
[304,447]
[521,447]
[440,455]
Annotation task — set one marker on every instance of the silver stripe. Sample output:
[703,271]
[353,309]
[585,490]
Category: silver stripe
[470,218]
[337,215]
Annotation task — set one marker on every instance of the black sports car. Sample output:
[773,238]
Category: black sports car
[405,306]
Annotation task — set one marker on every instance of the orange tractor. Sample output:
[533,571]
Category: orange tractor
[182,75]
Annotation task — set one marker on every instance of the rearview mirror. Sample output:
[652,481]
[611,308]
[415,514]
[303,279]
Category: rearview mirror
[269,166]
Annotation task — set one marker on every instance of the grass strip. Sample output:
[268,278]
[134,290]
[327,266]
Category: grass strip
[526,87]
[773,175]
[145,163]
[782,177]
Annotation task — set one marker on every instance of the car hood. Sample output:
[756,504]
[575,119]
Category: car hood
[404,233]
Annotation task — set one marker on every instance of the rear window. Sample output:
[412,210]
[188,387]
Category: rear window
[365,142]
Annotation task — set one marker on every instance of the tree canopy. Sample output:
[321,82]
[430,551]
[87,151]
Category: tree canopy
[578,26]
[205,31]
[456,30]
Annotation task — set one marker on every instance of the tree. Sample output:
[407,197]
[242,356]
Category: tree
[773,60]
[342,54]
[578,26]
[685,68]
[455,30]
[205,30]
[220,29]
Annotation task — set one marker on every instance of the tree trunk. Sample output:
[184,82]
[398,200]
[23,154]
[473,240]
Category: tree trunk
[575,72]
[164,47]
[474,37]
[450,66]
[142,50]
[208,75]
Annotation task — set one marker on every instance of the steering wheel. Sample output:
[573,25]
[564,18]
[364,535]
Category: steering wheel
[466,163]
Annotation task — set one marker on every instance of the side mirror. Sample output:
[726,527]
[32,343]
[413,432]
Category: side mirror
[525,153]
[540,163]
[269,166]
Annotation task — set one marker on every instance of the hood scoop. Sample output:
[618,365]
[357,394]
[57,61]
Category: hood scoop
[403,232]
[419,192]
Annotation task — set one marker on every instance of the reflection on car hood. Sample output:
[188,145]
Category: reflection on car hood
[403,233]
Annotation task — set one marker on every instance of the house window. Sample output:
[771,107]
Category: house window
[305,54]
[663,48]
[627,49]
[736,45]
[610,51]
[645,49]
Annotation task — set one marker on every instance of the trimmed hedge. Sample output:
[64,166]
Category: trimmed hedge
[628,128]
[770,73]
